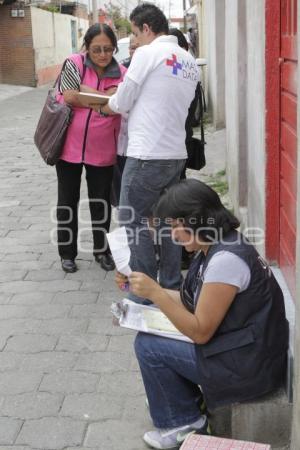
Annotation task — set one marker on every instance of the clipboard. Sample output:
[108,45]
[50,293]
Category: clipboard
[146,318]
[92,100]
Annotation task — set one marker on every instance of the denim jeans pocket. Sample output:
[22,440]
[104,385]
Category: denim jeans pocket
[155,175]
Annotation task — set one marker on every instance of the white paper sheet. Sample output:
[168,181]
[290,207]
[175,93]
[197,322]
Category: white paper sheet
[120,250]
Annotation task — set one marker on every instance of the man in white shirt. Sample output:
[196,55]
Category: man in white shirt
[157,91]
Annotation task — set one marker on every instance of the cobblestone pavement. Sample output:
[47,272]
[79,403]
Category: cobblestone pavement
[68,378]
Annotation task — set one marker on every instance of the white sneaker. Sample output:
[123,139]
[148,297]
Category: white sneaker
[167,438]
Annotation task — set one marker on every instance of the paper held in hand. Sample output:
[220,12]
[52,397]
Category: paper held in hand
[120,250]
[146,318]
[93,100]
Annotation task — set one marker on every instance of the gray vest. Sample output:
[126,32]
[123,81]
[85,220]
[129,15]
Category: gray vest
[246,357]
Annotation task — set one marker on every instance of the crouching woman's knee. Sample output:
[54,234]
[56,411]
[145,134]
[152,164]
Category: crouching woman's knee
[141,345]
[146,347]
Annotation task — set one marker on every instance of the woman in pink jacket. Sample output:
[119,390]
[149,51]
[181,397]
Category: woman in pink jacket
[91,142]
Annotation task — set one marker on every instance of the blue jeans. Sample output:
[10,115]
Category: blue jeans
[142,184]
[171,375]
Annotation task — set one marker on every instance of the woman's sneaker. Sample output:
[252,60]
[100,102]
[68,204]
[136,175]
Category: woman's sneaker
[169,438]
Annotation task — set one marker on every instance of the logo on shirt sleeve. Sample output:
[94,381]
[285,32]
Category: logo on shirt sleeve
[174,64]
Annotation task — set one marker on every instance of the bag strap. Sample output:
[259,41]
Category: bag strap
[56,83]
[202,106]
[202,99]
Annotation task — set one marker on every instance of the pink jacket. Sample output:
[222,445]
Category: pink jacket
[91,138]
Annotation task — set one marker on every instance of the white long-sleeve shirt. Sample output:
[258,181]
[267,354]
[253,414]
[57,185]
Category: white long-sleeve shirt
[157,91]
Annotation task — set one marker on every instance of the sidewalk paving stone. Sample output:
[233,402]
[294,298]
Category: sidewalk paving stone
[20,326]
[103,362]
[45,275]
[30,343]
[19,382]
[75,298]
[9,429]
[10,361]
[83,343]
[52,433]
[27,265]
[33,405]
[22,256]
[48,361]
[109,435]
[121,383]
[10,275]
[62,326]
[66,382]
[32,298]
[92,407]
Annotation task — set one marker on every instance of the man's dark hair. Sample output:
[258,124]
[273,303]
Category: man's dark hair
[199,207]
[182,42]
[152,16]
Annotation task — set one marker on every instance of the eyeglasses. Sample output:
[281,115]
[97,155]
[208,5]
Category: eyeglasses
[99,50]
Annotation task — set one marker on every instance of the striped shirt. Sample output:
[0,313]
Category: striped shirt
[70,77]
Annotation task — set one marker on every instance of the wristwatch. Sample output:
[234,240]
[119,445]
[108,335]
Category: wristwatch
[102,113]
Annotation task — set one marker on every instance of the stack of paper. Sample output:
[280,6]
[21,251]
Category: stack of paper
[199,442]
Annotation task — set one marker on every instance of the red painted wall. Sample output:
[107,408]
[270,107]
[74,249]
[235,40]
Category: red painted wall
[272,19]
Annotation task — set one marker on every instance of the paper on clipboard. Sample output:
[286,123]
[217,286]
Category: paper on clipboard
[146,318]
[91,100]
[120,250]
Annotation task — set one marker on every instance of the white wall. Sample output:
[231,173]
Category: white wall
[215,19]
[256,114]
[232,100]
[51,34]
[236,101]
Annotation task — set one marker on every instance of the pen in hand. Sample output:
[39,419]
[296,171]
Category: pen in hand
[122,281]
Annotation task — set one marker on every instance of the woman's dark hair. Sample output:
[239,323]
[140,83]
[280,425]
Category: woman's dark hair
[152,16]
[199,207]
[95,30]
[182,42]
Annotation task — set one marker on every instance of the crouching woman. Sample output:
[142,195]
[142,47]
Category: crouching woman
[229,305]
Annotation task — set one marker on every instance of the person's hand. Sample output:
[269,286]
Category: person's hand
[121,281]
[142,285]
[111,90]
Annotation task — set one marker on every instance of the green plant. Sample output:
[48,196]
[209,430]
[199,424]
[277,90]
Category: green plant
[219,183]
[50,8]
[119,21]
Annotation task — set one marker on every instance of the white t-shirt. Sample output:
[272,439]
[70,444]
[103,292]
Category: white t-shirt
[164,77]
[226,267]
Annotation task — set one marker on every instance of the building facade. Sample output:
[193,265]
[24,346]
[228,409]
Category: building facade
[252,50]
[35,42]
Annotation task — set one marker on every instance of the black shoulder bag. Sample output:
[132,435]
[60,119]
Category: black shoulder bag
[195,147]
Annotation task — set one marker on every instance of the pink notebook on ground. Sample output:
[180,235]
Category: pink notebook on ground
[199,442]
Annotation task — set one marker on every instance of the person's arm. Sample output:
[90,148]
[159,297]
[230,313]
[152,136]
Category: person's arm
[69,85]
[213,304]
[124,98]
[173,295]
[128,91]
